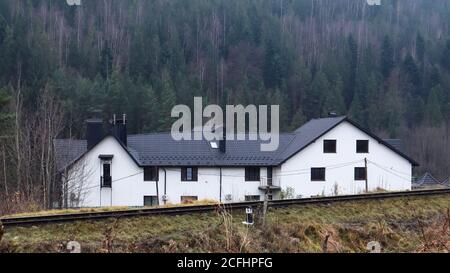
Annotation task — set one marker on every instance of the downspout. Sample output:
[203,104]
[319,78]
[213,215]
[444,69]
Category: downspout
[220,196]
[65,181]
[165,185]
[111,168]
[101,181]
[157,188]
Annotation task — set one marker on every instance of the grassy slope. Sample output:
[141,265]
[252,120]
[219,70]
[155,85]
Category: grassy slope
[102,209]
[401,225]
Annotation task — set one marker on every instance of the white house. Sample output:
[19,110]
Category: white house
[327,156]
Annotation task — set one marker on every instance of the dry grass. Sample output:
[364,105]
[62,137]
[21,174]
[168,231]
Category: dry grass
[402,225]
[18,203]
[103,209]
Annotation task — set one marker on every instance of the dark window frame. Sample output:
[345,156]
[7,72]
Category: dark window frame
[366,146]
[252,174]
[326,147]
[360,174]
[194,174]
[315,172]
[106,175]
[154,200]
[151,174]
[252,198]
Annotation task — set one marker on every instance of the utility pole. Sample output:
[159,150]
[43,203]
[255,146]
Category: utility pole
[220,185]
[4,170]
[367,182]
[265,204]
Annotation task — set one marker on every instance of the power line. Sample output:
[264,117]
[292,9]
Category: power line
[389,171]
[116,180]
[281,174]
[287,173]
[390,168]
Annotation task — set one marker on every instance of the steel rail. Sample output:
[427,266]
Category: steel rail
[70,217]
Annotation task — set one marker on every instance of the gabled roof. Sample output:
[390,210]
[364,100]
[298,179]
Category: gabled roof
[446,182]
[68,150]
[426,180]
[161,150]
[397,144]
[307,134]
[316,128]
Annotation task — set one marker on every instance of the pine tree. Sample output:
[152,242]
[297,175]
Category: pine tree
[4,100]
[373,101]
[333,99]
[352,67]
[433,111]
[106,59]
[445,59]
[3,26]
[391,109]
[150,110]
[273,66]
[167,102]
[387,57]
[411,69]
[314,99]
[420,49]
[297,120]
[356,110]
[278,98]
[116,95]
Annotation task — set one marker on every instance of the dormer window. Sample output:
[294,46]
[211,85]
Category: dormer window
[214,145]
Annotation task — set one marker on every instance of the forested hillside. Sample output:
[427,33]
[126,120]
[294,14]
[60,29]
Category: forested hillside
[386,66]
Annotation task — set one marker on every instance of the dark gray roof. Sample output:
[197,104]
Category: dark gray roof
[161,150]
[308,133]
[397,144]
[446,182]
[68,150]
[426,180]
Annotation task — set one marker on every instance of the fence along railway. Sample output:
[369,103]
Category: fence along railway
[57,218]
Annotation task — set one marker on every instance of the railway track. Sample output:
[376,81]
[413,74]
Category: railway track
[45,219]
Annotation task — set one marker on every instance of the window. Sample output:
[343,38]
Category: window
[150,201]
[189,174]
[317,174]
[250,198]
[252,174]
[151,174]
[214,145]
[106,178]
[269,176]
[329,146]
[360,173]
[362,146]
[188,199]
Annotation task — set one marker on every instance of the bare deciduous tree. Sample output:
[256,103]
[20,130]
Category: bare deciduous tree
[75,183]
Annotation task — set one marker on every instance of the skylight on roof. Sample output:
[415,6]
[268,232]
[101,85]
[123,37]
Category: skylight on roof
[214,145]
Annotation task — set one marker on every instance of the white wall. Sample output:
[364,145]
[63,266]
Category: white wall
[295,172]
[208,184]
[129,187]
[128,191]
